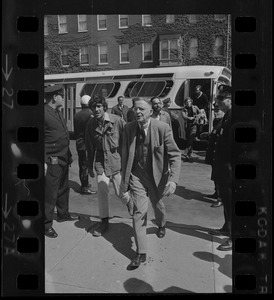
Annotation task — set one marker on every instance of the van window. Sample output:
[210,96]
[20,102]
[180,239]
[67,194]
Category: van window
[104,89]
[167,89]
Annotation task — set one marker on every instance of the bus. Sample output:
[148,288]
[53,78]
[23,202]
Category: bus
[175,83]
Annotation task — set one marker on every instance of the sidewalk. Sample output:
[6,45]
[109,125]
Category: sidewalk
[184,261]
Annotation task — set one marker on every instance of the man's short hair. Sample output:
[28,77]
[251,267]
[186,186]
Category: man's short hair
[188,98]
[98,99]
[224,92]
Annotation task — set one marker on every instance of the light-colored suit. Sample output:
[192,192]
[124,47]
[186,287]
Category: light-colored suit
[164,117]
[144,184]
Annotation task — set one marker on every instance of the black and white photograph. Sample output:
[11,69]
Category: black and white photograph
[136,147]
[127,212]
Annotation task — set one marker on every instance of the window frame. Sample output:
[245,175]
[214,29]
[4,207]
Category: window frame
[143,52]
[120,54]
[172,19]
[59,25]
[80,56]
[99,54]
[146,24]
[66,50]
[85,22]
[98,23]
[193,18]
[168,47]
[119,20]
[218,18]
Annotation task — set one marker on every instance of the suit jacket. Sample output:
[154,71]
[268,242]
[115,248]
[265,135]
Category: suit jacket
[166,156]
[122,113]
[56,136]
[164,117]
[80,122]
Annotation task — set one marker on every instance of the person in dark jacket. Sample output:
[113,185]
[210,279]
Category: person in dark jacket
[120,109]
[212,138]
[80,122]
[57,160]
[222,165]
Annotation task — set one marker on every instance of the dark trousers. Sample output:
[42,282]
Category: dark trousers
[191,131]
[56,192]
[83,168]
[225,194]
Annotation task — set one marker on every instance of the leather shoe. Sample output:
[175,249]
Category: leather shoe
[212,196]
[101,229]
[51,233]
[218,232]
[218,203]
[140,258]
[226,246]
[161,232]
[68,217]
[87,191]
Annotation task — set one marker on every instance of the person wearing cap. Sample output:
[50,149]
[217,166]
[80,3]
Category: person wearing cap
[191,114]
[80,122]
[222,164]
[104,133]
[151,163]
[120,109]
[57,160]
[158,113]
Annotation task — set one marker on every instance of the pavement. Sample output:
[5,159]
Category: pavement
[184,261]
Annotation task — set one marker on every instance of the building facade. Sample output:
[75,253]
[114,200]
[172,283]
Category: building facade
[79,43]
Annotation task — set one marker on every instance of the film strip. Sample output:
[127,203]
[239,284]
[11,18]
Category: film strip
[22,138]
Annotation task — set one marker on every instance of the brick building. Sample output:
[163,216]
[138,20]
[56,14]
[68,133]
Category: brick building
[78,43]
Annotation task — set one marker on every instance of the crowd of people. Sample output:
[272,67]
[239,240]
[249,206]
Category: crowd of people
[134,149]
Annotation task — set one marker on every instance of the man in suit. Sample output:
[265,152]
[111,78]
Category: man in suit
[57,160]
[222,164]
[158,112]
[80,122]
[151,163]
[120,109]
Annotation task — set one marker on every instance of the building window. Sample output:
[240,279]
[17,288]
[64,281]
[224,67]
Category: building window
[123,21]
[193,18]
[62,24]
[168,49]
[46,59]
[124,53]
[193,48]
[218,47]
[46,27]
[102,22]
[84,56]
[146,20]
[64,57]
[82,23]
[170,19]
[103,54]
[219,17]
[147,52]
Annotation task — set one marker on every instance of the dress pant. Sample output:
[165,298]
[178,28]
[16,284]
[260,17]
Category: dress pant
[225,193]
[191,131]
[83,168]
[56,192]
[103,183]
[143,189]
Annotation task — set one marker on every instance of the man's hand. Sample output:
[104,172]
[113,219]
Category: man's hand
[169,189]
